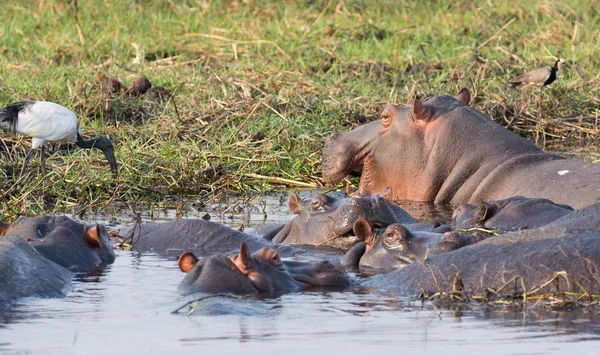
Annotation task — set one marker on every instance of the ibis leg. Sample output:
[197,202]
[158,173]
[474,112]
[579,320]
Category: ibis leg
[42,160]
[25,162]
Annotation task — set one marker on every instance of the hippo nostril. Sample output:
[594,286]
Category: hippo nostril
[319,202]
[276,261]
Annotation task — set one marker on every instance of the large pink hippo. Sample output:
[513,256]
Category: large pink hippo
[442,150]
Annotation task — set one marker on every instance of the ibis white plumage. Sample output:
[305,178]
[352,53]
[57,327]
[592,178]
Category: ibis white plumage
[49,122]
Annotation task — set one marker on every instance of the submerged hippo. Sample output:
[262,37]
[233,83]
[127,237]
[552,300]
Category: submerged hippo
[442,150]
[514,213]
[396,246]
[327,220]
[36,254]
[64,241]
[587,217]
[260,272]
[174,237]
[519,261]
[25,273]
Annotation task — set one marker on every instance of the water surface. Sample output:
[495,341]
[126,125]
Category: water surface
[127,308]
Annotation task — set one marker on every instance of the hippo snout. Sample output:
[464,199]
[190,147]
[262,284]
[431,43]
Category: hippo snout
[335,162]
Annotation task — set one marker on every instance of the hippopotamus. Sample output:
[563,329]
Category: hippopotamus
[396,245]
[64,241]
[24,273]
[260,272]
[326,220]
[205,237]
[587,217]
[37,255]
[514,213]
[521,261]
[442,150]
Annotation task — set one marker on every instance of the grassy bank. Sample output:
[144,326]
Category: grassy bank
[256,86]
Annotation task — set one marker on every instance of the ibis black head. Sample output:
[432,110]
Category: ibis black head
[105,145]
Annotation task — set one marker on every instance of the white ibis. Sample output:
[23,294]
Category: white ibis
[49,122]
[539,77]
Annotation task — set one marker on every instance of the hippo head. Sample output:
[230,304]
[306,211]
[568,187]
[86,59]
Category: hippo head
[468,215]
[76,250]
[260,272]
[514,213]
[327,220]
[393,151]
[395,246]
[64,241]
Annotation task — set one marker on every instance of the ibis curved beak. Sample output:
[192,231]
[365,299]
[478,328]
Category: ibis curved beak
[109,152]
[105,145]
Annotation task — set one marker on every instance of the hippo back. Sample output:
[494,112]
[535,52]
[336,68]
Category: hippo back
[533,255]
[203,237]
[588,217]
[25,273]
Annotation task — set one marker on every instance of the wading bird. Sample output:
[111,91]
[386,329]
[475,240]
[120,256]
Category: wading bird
[539,77]
[49,122]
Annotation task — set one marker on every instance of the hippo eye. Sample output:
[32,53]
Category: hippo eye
[392,242]
[386,120]
[394,238]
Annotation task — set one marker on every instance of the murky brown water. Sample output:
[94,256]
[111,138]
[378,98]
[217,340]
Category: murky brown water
[126,308]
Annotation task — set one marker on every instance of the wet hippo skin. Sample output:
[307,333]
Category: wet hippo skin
[64,241]
[442,150]
[260,272]
[203,237]
[587,217]
[514,213]
[534,255]
[36,254]
[397,246]
[24,273]
[328,220]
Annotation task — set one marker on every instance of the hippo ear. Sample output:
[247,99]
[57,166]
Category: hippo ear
[420,112]
[483,213]
[187,261]
[464,96]
[294,204]
[4,228]
[362,229]
[93,234]
[243,260]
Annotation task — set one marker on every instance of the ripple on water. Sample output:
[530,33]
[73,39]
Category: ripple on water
[126,308]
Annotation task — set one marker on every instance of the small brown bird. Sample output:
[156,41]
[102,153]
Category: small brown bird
[539,77]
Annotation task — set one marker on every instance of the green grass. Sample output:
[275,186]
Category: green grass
[259,85]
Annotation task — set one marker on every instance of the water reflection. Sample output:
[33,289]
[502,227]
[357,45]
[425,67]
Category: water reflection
[427,211]
[137,295]
[126,308]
